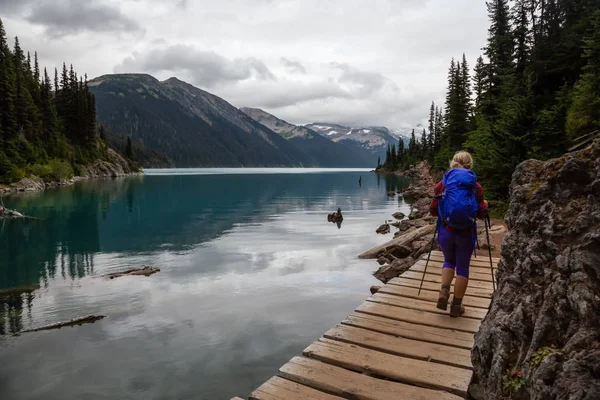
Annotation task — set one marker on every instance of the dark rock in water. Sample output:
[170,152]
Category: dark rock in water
[383,229]
[375,289]
[336,218]
[396,224]
[541,338]
[415,215]
[146,270]
[399,251]
[399,215]
[396,268]
[404,225]
[382,260]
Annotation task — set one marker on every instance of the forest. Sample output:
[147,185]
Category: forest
[48,124]
[535,89]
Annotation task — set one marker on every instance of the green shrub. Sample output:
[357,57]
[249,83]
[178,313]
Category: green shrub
[40,170]
[61,169]
[55,170]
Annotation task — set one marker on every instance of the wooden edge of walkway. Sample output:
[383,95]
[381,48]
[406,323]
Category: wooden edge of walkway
[395,345]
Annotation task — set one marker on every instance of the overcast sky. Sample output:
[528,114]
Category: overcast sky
[356,62]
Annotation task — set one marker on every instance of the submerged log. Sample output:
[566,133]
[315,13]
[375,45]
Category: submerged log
[146,270]
[19,290]
[401,240]
[76,321]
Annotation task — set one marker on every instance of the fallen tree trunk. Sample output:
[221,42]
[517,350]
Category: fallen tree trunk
[146,270]
[76,321]
[400,240]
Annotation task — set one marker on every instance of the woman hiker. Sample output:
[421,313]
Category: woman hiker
[457,202]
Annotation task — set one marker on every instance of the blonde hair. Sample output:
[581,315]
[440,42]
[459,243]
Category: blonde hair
[461,159]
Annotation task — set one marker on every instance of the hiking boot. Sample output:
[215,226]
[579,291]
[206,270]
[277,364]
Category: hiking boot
[442,303]
[456,310]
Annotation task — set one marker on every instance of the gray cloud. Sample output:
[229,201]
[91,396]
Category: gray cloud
[367,81]
[391,57]
[293,66]
[63,17]
[206,68]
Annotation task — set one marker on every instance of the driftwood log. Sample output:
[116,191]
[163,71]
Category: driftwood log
[76,321]
[146,270]
[19,290]
[405,239]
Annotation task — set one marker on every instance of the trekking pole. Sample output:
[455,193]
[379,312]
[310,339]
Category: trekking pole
[487,234]
[428,257]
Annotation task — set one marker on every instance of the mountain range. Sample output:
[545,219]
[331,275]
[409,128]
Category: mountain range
[174,124]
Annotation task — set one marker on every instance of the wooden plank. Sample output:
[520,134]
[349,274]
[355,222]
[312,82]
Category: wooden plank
[440,263]
[448,355]
[420,317]
[352,385]
[408,330]
[413,283]
[278,388]
[406,370]
[473,276]
[429,277]
[416,304]
[431,295]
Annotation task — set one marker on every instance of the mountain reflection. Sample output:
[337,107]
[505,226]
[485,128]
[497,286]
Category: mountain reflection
[153,214]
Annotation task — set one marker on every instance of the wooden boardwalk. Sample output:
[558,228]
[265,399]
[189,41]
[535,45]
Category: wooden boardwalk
[396,345]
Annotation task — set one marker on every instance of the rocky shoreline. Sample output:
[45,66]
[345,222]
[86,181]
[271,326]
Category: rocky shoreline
[117,167]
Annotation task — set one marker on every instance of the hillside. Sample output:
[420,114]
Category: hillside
[193,128]
[327,153]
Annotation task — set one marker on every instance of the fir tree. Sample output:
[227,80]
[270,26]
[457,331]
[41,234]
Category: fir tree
[129,149]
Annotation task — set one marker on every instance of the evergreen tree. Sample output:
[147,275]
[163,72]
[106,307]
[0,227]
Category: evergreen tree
[584,113]
[129,149]
[480,82]
[43,127]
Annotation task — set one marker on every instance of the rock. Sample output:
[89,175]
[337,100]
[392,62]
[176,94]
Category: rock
[28,185]
[543,326]
[415,215]
[375,289]
[419,223]
[398,251]
[391,193]
[383,229]
[382,260]
[404,225]
[396,224]
[396,268]
[5,213]
[399,215]
[336,217]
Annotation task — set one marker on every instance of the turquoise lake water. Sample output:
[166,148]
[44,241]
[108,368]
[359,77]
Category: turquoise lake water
[251,274]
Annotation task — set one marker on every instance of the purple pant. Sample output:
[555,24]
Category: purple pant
[457,249]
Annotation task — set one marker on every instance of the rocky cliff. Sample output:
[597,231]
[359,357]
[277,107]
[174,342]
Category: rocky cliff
[541,338]
[113,167]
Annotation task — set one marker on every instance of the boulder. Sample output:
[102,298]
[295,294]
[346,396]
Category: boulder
[540,339]
[396,268]
[399,215]
[383,229]
[405,225]
[415,215]
[382,260]
[399,251]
